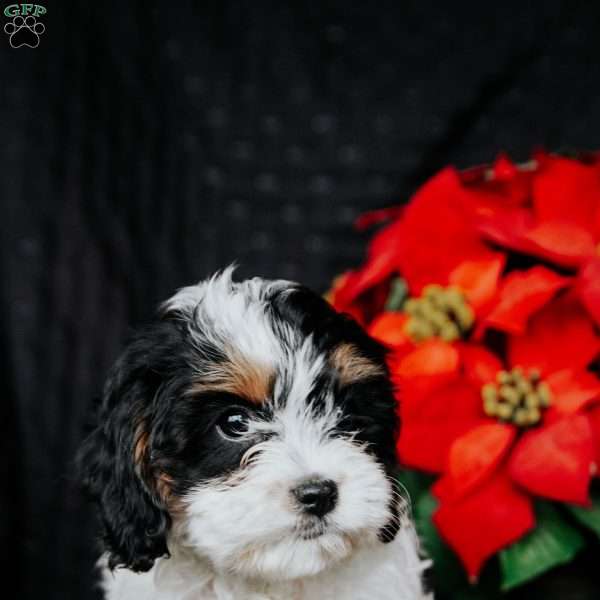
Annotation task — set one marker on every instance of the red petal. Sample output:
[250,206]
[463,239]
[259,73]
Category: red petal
[490,191]
[475,455]
[425,446]
[388,328]
[333,297]
[564,243]
[571,392]
[478,363]
[566,190]
[522,294]
[443,488]
[381,263]
[432,357]
[484,522]
[589,287]
[430,366]
[594,417]
[478,279]
[555,461]
[560,336]
[431,423]
[428,252]
[507,228]
[376,269]
[505,169]
[456,399]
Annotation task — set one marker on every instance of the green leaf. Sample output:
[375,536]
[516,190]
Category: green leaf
[397,295]
[589,517]
[414,483]
[552,543]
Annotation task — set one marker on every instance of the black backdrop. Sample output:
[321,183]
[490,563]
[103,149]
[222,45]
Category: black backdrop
[145,145]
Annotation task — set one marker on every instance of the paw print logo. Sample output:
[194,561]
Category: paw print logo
[24,31]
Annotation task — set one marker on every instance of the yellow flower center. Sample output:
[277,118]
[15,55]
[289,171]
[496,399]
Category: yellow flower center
[438,312]
[516,397]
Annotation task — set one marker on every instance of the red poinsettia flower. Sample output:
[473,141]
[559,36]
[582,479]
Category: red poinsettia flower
[439,230]
[503,419]
[478,284]
[416,246]
[504,303]
[560,223]
[491,466]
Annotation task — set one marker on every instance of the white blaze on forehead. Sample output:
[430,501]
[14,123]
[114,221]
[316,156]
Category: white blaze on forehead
[299,370]
[233,317]
[299,375]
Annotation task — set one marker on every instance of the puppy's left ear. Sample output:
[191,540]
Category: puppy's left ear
[113,460]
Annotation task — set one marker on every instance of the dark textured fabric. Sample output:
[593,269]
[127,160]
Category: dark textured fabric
[145,145]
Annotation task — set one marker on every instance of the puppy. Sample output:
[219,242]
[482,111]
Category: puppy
[245,450]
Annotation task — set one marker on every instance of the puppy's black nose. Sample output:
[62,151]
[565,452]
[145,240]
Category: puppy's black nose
[316,496]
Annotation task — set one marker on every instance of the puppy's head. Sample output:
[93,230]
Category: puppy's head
[251,424]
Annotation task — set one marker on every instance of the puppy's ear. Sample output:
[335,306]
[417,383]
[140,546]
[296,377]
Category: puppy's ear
[113,463]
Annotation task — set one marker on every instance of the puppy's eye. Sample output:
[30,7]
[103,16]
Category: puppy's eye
[233,423]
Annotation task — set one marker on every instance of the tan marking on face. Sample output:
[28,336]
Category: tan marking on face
[163,485]
[353,367]
[154,478]
[140,448]
[173,502]
[240,376]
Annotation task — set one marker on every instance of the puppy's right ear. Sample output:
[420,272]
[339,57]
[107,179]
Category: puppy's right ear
[113,462]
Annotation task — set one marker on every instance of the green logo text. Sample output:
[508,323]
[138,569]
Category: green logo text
[16,10]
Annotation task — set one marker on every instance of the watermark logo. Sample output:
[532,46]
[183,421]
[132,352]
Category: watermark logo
[24,28]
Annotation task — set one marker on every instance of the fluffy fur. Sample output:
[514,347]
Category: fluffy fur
[245,450]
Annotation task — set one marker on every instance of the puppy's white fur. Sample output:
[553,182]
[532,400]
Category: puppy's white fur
[375,572]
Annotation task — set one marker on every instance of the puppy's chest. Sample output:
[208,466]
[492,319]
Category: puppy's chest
[171,583]
[130,587]
[124,585]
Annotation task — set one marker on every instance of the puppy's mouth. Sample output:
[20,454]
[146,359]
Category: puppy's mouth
[312,530]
